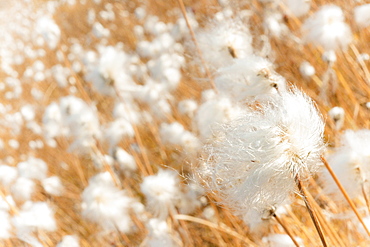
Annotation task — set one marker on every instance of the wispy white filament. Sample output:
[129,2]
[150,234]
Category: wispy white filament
[254,160]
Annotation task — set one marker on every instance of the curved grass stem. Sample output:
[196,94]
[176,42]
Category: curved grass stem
[345,194]
[311,212]
[286,229]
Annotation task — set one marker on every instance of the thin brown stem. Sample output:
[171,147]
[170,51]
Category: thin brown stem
[333,235]
[286,229]
[363,188]
[366,197]
[311,212]
[345,194]
[192,34]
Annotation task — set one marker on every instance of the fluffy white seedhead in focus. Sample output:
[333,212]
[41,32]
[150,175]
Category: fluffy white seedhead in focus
[327,28]
[250,77]
[161,191]
[337,115]
[350,163]
[223,41]
[362,15]
[253,161]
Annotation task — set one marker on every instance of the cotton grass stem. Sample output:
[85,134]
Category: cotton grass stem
[311,212]
[333,235]
[345,194]
[361,62]
[286,229]
[363,188]
[192,34]
[219,227]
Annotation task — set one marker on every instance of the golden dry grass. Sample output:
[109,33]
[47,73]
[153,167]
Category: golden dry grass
[352,92]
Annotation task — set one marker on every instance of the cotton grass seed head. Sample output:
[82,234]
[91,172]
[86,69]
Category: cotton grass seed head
[327,28]
[161,192]
[224,41]
[254,160]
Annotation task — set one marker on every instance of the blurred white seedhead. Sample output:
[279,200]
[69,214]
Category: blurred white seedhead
[159,234]
[22,189]
[337,115]
[161,192]
[106,205]
[100,31]
[297,8]
[248,78]
[110,72]
[7,175]
[306,69]
[128,111]
[73,118]
[215,110]
[189,198]
[327,28]
[166,69]
[350,162]
[280,240]
[116,130]
[222,42]
[33,168]
[5,225]
[69,241]
[180,29]
[363,57]
[53,124]
[49,30]
[362,15]
[329,57]
[254,160]
[175,134]
[360,227]
[126,161]
[157,96]
[33,217]
[53,185]
[187,107]
[274,24]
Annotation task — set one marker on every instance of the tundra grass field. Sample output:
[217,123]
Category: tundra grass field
[184,123]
